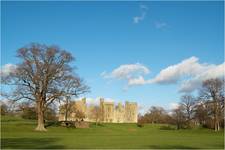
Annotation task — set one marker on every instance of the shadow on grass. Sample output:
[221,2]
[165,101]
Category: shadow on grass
[52,123]
[30,143]
[167,128]
[171,147]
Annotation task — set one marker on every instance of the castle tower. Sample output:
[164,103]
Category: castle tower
[130,112]
[119,113]
[107,109]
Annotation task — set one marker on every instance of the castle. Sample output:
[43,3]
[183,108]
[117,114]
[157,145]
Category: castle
[109,112]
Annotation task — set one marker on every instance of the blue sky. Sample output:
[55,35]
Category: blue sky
[104,36]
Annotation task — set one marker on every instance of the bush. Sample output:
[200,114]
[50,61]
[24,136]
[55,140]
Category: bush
[67,123]
[29,113]
[4,109]
[141,121]
[140,124]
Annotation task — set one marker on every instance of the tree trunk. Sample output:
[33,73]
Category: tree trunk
[217,125]
[96,122]
[216,117]
[66,115]
[40,112]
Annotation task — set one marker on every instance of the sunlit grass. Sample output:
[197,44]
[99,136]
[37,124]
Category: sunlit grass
[19,133]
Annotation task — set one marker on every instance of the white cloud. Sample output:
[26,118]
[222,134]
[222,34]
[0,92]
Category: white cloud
[137,81]
[195,83]
[189,73]
[137,19]
[127,71]
[173,105]
[133,73]
[7,69]
[143,9]
[189,67]
[189,85]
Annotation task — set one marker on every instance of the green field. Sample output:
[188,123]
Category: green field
[19,133]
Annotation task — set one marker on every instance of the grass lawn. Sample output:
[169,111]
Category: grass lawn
[19,133]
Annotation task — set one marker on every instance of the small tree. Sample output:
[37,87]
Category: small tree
[188,103]
[73,87]
[179,117]
[66,109]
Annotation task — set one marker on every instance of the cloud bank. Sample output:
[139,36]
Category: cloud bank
[189,73]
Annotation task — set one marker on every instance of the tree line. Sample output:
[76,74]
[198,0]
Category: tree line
[206,109]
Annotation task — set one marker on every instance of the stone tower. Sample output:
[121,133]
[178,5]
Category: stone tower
[119,113]
[130,112]
[107,109]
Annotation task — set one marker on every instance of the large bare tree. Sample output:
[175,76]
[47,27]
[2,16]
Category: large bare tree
[43,76]
[212,92]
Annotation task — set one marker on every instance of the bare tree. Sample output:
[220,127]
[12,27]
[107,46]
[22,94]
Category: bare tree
[212,92]
[201,113]
[73,87]
[41,77]
[67,107]
[188,103]
[179,117]
[156,114]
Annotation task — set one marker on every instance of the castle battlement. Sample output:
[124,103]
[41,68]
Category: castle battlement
[109,111]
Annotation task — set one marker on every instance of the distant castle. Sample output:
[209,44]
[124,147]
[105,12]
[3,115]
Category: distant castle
[108,110]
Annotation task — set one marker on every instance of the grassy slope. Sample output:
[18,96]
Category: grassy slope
[19,133]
